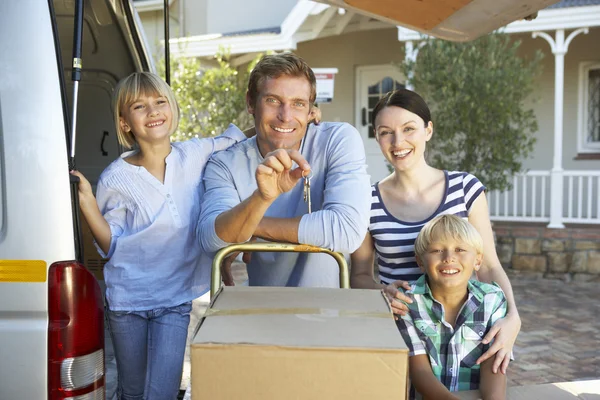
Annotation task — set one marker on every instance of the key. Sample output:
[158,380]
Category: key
[307,191]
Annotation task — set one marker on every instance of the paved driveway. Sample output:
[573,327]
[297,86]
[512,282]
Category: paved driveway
[560,333]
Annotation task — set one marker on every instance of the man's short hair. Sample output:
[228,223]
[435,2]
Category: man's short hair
[276,65]
[448,226]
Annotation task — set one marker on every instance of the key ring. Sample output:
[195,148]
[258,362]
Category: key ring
[310,174]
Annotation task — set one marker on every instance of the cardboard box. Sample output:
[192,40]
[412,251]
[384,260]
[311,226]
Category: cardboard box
[258,343]
[585,390]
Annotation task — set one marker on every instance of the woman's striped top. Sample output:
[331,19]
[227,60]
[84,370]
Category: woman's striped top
[395,239]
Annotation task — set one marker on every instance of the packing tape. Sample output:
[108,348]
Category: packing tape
[325,312]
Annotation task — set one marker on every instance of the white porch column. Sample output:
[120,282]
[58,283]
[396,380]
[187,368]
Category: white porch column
[559,47]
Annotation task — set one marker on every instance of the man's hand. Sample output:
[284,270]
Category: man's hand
[226,274]
[504,333]
[275,176]
[396,298]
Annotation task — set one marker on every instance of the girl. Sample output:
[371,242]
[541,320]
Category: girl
[144,221]
[414,194]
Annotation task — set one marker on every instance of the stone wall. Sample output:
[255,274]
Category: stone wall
[570,253]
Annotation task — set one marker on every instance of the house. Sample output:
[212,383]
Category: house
[550,221]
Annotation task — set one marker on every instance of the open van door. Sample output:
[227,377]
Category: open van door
[456,20]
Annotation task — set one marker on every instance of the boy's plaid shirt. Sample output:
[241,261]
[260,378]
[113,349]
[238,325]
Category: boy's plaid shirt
[452,351]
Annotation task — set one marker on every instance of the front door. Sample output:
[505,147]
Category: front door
[373,82]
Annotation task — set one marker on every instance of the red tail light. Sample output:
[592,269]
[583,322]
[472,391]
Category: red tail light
[75,334]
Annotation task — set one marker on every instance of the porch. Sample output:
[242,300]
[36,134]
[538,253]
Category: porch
[525,242]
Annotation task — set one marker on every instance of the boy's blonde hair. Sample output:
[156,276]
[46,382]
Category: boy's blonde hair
[130,89]
[447,226]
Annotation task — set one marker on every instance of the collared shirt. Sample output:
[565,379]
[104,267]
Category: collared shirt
[452,351]
[154,253]
[340,198]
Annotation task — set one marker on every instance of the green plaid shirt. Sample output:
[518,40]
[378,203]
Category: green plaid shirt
[452,351]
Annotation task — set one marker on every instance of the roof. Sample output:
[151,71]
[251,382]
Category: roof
[575,3]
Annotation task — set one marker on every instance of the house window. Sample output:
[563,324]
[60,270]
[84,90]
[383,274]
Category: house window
[589,108]
[376,92]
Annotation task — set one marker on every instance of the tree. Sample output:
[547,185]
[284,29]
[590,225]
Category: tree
[210,98]
[478,93]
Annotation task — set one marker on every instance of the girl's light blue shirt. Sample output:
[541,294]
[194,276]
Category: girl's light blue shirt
[155,259]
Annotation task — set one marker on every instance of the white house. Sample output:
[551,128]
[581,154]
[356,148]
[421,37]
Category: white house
[565,164]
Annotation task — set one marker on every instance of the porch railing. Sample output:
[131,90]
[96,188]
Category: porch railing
[531,200]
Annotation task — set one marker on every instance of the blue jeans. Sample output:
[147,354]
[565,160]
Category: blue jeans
[149,348]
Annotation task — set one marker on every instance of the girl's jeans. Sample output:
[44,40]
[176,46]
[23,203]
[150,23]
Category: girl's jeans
[149,348]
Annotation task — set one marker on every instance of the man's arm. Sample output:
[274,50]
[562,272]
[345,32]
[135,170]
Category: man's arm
[422,378]
[491,386]
[274,176]
[224,219]
[342,222]
[279,229]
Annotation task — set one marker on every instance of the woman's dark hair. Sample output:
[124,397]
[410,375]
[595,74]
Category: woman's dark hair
[406,99]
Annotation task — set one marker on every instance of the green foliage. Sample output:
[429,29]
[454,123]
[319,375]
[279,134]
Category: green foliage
[210,97]
[477,93]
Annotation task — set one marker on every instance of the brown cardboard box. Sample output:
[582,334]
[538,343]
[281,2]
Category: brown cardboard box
[298,343]
[585,390]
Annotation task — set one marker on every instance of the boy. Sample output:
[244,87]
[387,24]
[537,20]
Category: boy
[451,314]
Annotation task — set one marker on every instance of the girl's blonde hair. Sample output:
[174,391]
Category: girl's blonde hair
[130,89]
[444,227]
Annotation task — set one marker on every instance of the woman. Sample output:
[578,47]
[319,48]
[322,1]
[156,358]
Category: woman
[413,194]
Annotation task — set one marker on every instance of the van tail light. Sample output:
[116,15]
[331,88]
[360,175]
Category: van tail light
[75,334]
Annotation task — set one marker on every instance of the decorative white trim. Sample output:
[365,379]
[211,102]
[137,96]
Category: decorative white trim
[150,5]
[208,45]
[343,22]
[556,18]
[323,20]
[582,108]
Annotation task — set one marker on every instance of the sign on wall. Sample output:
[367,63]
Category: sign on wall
[325,78]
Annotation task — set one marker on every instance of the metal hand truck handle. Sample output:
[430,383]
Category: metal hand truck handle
[274,247]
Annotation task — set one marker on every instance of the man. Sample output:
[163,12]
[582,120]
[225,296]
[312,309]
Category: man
[255,189]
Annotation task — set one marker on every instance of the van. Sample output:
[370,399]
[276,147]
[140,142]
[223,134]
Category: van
[51,307]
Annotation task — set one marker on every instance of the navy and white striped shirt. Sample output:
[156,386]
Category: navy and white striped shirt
[395,239]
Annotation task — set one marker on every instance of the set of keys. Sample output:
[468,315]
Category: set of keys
[307,189]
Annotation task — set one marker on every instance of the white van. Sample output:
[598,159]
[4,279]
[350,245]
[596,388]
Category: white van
[51,309]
